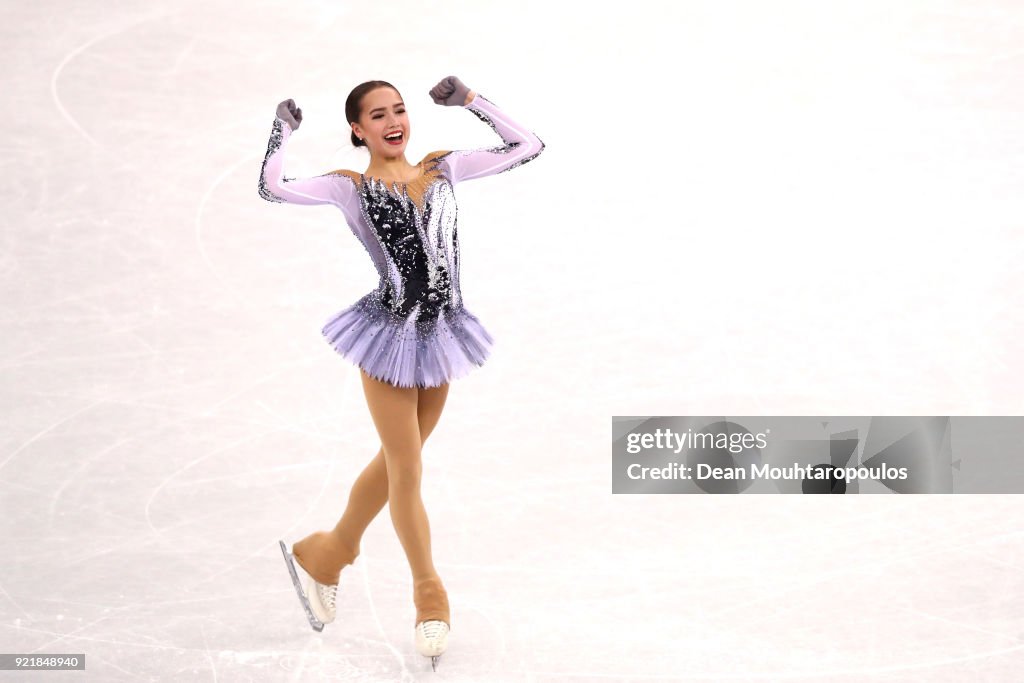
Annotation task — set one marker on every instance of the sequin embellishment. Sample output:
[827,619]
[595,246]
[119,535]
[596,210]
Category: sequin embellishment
[419,242]
[272,147]
[509,145]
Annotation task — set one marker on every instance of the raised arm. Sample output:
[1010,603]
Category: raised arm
[520,145]
[330,188]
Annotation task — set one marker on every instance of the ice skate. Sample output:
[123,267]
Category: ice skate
[321,598]
[320,556]
[314,621]
[433,622]
[432,640]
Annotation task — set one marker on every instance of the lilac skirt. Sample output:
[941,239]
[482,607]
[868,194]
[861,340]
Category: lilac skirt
[404,352]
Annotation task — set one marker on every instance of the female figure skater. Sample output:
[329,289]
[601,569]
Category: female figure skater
[409,337]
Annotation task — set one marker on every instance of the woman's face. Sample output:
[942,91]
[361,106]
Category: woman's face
[383,114]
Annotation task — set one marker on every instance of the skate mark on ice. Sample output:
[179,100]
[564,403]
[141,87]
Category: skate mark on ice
[406,674]
[71,56]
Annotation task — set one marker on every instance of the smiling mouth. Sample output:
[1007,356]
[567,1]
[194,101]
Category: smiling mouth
[395,139]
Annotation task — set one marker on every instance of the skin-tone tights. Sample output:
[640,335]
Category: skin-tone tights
[404,418]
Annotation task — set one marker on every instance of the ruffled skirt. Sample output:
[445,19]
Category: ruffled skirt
[406,352]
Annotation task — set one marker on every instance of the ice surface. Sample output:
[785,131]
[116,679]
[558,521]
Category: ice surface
[743,208]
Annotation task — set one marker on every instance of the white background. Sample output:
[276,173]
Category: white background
[743,208]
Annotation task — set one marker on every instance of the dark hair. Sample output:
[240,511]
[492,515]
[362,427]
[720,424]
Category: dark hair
[354,104]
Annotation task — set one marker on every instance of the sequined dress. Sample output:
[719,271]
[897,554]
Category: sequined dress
[413,329]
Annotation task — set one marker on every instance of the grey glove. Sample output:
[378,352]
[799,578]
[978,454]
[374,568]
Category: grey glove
[290,114]
[450,92]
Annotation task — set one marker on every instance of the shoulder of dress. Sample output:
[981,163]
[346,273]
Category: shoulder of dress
[351,175]
[436,155]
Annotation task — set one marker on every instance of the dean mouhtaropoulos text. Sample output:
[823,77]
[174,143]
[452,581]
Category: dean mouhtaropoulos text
[678,470]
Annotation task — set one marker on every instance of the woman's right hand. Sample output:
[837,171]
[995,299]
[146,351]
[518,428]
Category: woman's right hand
[290,114]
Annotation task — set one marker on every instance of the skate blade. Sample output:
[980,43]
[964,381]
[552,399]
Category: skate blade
[289,560]
[433,661]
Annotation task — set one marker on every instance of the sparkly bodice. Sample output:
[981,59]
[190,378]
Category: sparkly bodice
[413,238]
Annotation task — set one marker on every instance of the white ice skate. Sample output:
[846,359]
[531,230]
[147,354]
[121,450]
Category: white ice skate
[318,600]
[432,640]
[321,599]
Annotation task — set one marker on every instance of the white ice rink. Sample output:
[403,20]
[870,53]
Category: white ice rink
[784,208]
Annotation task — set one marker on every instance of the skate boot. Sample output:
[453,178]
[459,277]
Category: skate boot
[433,621]
[321,599]
[321,555]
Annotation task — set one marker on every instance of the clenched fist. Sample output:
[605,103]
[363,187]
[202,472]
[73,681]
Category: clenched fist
[449,91]
[290,114]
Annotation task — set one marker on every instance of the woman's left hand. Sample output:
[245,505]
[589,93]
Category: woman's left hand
[450,92]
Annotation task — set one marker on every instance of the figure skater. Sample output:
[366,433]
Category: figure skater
[409,337]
